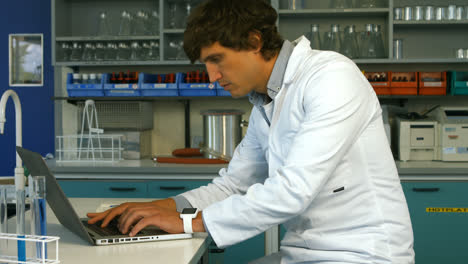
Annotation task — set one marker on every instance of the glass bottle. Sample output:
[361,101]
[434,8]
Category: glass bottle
[340,4]
[88,52]
[103,28]
[368,3]
[154,50]
[380,50]
[368,43]
[140,24]
[349,47]
[100,51]
[135,53]
[173,10]
[123,51]
[75,54]
[188,9]
[64,52]
[334,42]
[314,37]
[153,23]
[111,51]
[125,23]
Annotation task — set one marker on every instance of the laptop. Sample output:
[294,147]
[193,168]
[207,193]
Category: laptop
[64,212]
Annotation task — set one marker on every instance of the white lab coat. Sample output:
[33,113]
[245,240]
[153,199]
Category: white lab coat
[326,133]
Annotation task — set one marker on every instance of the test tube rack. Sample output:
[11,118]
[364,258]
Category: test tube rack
[43,240]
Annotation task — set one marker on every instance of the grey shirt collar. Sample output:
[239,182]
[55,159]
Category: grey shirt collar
[277,75]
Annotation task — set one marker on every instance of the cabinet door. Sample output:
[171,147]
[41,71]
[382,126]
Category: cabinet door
[168,188]
[243,252]
[440,230]
[104,189]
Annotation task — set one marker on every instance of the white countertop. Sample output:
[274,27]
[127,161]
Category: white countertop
[73,249]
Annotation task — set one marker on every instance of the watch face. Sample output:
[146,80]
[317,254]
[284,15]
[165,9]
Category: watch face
[189,210]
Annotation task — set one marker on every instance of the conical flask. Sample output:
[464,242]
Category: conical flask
[349,46]
[314,37]
[334,41]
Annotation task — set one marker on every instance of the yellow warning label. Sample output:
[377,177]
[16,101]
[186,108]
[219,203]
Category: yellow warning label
[446,210]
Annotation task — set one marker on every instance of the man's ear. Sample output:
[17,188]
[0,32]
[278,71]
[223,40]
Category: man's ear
[255,41]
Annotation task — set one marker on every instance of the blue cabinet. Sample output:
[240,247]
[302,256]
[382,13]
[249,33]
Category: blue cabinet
[128,189]
[241,253]
[440,222]
[168,188]
[104,189]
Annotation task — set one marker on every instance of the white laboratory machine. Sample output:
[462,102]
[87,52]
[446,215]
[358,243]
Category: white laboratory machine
[418,139]
[453,123]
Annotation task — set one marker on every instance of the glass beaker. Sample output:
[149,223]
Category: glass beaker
[135,53]
[314,37]
[349,47]
[123,51]
[99,52]
[111,51]
[88,52]
[76,52]
[397,49]
[125,23]
[3,217]
[64,52]
[154,50]
[103,28]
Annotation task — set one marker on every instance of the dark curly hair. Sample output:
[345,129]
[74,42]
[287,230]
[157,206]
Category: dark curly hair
[231,22]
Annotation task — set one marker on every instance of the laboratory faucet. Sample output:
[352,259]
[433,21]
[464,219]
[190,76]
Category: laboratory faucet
[19,171]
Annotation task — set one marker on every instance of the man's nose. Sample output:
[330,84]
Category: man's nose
[213,73]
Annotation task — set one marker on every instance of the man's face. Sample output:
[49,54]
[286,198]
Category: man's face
[238,72]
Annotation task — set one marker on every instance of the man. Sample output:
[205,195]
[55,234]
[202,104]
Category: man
[315,157]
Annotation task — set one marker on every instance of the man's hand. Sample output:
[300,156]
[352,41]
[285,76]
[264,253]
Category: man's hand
[110,214]
[136,216]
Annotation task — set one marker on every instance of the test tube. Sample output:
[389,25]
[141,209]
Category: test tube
[37,191]
[20,224]
[3,215]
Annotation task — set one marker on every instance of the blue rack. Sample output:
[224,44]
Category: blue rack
[83,90]
[193,89]
[149,85]
[124,89]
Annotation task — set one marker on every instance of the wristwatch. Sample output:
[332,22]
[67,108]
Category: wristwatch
[187,215]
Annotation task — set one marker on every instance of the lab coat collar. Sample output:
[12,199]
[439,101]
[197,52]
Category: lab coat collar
[277,75]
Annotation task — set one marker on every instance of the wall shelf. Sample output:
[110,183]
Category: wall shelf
[106,38]
[334,11]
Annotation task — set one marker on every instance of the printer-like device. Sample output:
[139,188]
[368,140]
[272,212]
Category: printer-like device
[418,139]
[453,123]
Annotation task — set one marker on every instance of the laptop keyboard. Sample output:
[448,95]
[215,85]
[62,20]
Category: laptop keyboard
[110,230]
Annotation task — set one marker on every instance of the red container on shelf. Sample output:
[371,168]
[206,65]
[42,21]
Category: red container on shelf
[433,83]
[404,83]
[380,81]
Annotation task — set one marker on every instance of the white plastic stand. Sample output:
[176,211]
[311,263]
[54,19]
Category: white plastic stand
[30,239]
[90,116]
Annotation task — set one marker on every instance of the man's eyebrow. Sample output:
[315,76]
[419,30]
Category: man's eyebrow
[210,57]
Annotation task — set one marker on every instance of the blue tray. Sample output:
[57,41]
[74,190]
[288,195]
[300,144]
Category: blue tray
[83,90]
[149,87]
[124,89]
[193,89]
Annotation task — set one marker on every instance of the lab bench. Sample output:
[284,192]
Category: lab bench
[436,193]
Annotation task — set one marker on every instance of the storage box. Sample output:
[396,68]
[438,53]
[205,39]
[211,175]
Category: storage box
[404,83]
[119,89]
[158,85]
[459,83]
[433,83]
[194,89]
[380,81]
[84,90]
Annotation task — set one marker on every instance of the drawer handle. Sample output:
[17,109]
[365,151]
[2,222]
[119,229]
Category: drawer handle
[426,189]
[172,188]
[216,250]
[123,189]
